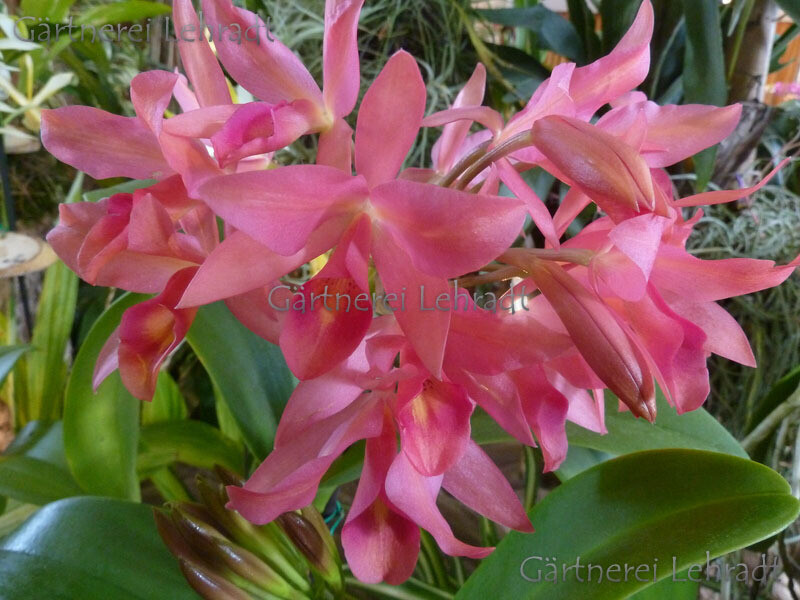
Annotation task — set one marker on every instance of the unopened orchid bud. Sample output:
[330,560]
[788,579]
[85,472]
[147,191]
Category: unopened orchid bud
[600,339]
[239,561]
[210,585]
[310,534]
[607,169]
[263,541]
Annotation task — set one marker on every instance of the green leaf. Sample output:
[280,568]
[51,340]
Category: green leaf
[553,32]
[45,367]
[582,19]
[617,17]
[631,511]
[167,404]
[101,430]
[704,79]
[696,429]
[192,442]
[55,10]
[44,441]
[9,355]
[90,549]
[127,187]
[249,373]
[122,12]
[35,481]
[667,589]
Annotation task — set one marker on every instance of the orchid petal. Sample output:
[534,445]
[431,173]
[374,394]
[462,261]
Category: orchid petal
[434,424]
[201,122]
[282,207]
[389,119]
[149,332]
[447,232]
[415,495]
[198,59]
[678,272]
[89,139]
[335,147]
[455,134]
[414,292]
[675,132]
[341,76]
[623,69]
[260,63]
[709,198]
[476,482]
[538,211]
[289,477]
[380,544]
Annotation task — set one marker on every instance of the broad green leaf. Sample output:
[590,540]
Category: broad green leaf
[40,440]
[45,367]
[90,549]
[14,516]
[35,481]
[55,10]
[617,17]
[631,511]
[584,22]
[552,31]
[696,429]
[33,468]
[101,430]
[167,403]
[704,79]
[249,373]
[192,442]
[677,588]
[122,12]
[579,460]
[9,355]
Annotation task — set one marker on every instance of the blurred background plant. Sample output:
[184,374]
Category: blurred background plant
[80,464]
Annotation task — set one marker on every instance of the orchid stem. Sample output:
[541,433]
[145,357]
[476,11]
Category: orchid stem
[512,144]
[463,165]
[502,274]
[520,256]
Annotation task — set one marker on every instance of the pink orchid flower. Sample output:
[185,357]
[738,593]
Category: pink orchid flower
[397,492]
[291,209]
[293,104]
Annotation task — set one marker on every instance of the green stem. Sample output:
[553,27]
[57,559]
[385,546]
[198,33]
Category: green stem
[412,589]
[765,428]
[531,478]
[430,549]
[169,486]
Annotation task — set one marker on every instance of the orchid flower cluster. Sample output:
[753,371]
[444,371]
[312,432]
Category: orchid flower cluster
[621,306]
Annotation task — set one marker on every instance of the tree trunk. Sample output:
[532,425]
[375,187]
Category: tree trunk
[750,74]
